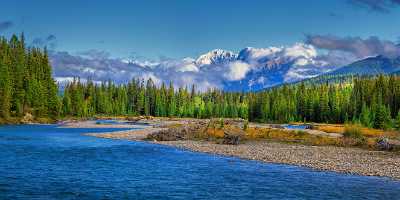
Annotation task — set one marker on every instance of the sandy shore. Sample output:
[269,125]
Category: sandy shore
[93,124]
[135,135]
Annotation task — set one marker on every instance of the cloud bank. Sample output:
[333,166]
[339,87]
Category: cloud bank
[356,46]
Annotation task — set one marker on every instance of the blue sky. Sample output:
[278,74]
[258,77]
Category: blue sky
[177,29]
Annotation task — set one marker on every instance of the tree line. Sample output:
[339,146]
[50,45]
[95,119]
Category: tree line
[140,97]
[26,83]
[371,101]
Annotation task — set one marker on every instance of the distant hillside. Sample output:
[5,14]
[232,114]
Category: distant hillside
[370,66]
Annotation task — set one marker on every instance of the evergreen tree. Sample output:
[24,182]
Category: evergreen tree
[26,85]
[365,116]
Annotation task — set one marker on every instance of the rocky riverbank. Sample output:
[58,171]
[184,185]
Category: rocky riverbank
[338,159]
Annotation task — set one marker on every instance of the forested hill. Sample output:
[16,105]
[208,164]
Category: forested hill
[26,83]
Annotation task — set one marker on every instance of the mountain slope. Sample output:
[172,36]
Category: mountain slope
[370,66]
[273,66]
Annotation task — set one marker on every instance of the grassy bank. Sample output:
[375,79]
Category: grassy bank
[339,135]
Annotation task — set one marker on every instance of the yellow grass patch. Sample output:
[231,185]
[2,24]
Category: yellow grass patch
[367,132]
[282,135]
[215,132]
[331,128]
[370,132]
[174,125]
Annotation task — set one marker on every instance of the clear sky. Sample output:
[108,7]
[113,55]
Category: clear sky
[181,28]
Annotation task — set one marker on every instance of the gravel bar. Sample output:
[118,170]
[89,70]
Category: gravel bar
[338,159]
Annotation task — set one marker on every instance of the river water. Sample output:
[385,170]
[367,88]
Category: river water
[46,162]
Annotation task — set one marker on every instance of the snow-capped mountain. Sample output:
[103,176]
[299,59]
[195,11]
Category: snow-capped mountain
[216,57]
[276,65]
[249,69]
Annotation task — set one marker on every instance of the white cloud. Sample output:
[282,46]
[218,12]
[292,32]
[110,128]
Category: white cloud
[153,77]
[255,54]
[237,71]
[187,68]
[301,62]
[187,65]
[301,50]
[64,79]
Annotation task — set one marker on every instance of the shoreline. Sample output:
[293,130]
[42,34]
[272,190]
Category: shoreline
[325,158]
[347,160]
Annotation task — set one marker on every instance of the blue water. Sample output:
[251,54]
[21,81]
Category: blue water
[46,162]
[295,127]
[111,121]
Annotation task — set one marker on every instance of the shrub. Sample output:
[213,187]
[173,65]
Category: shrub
[245,125]
[353,131]
[353,136]
[301,133]
[221,121]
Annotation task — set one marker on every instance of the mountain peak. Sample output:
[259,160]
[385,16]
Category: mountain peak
[216,56]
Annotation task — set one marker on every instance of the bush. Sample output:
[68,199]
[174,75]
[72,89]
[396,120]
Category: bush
[245,125]
[301,133]
[353,131]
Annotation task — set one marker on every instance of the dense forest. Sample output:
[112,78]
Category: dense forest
[27,86]
[372,101]
[26,83]
[140,97]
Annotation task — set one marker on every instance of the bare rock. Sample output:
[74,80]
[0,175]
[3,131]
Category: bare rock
[28,118]
[384,144]
[233,137]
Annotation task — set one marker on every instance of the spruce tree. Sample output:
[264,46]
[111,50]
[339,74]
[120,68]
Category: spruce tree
[365,116]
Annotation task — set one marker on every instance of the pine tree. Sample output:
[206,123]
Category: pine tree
[381,117]
[397,121]
[26,85]
[365,116]
[5,90]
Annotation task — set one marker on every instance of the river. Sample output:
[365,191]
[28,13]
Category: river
[47,162]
